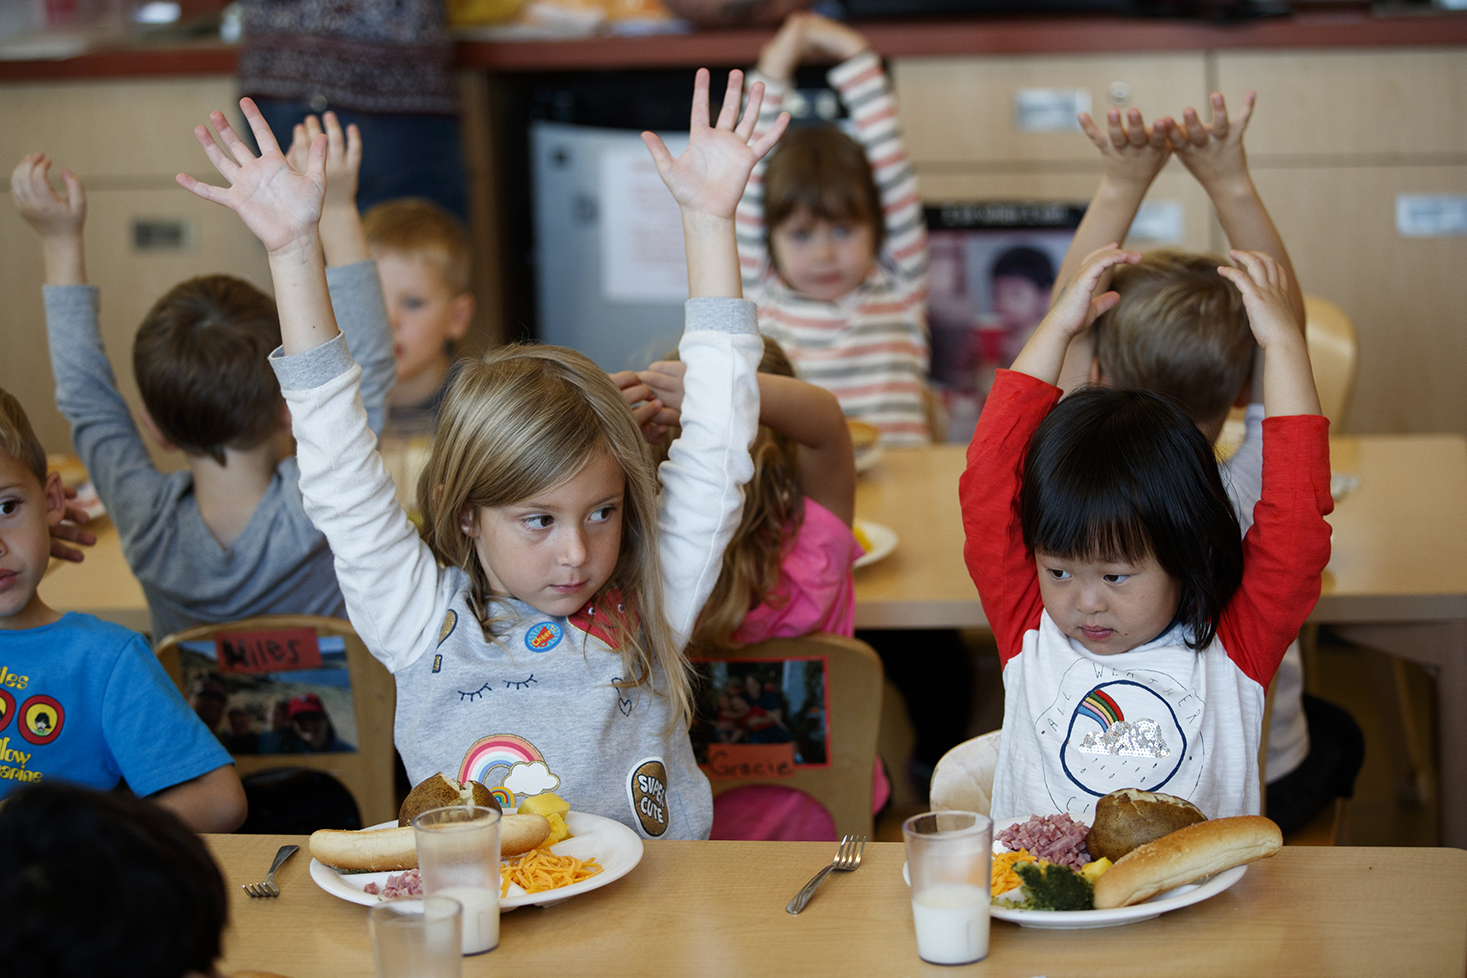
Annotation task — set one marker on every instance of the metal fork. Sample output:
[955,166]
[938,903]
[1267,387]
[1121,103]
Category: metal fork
[847,858]
[268,888]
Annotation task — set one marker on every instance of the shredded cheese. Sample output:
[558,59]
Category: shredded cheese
[1004,876]
[540,869]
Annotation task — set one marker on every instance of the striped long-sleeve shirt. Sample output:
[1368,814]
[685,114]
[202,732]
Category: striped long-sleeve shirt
[869,347]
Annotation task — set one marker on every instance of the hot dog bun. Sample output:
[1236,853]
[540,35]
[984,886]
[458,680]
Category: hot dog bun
[1185,856]
[367,850]
[382,850]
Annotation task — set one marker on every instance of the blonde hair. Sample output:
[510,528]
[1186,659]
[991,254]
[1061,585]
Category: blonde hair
[421,229]
[18,440]
[1180,329]
[774,507]
[525,419]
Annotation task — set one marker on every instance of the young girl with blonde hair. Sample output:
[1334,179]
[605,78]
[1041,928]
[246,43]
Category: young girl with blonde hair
[535,629]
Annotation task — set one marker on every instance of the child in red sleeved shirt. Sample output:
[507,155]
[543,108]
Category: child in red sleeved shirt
[1137,634]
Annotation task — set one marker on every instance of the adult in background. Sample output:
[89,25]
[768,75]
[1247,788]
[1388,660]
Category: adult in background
[385,65]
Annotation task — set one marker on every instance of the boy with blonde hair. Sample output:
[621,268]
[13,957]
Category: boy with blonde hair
[422,254]
[1180,329]
[86,701]
[227,538]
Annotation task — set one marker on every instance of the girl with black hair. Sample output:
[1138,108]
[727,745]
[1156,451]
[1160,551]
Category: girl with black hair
[1137,632]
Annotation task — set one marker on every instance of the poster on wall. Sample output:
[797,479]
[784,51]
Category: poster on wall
[993,264]
[760,718]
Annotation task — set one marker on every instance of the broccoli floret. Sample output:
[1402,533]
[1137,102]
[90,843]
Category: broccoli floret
[1055,887]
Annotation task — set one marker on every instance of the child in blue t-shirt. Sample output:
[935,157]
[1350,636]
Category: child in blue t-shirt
[82,700]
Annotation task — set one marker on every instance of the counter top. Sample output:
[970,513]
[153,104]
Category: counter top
[1059,34]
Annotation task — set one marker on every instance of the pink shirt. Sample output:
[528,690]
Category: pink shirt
[816,592]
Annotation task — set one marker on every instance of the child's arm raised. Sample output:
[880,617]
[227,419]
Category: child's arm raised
[809,416]
[102,428]
[1288,381]
[1214,155]
[282,208]
[1075,308]
[702,479]
[709,178]
[351,275]
[341,225]
[776,69]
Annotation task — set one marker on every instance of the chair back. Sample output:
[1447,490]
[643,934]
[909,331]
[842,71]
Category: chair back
[1333,352]
[852,713]
[367,772]
[963,778]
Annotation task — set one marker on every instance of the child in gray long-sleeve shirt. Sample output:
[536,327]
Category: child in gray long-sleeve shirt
[226,538]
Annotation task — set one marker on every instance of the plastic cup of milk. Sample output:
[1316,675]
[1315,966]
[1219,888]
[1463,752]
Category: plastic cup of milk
[949,858]
[458,857]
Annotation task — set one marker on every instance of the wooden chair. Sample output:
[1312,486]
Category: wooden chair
[367,772]
[853,713]
[1334,354]
[963,777]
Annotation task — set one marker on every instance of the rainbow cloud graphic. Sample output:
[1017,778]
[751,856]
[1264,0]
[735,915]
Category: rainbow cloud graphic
[491,758]
[1099,707]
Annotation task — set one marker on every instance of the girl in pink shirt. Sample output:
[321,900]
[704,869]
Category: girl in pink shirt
[787,571]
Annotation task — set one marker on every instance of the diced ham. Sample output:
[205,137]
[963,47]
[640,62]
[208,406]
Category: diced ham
[1054,838]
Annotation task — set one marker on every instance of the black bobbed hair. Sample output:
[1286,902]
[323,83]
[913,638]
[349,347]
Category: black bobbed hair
[1113,475]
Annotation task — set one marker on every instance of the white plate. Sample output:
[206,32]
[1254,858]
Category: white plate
[883,541]
[617,850]
[866,458]
[1182,896]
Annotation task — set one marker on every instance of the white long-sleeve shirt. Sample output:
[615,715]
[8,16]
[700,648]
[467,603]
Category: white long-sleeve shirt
[536,709]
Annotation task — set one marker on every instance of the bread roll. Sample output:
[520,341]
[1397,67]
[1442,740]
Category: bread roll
[1185,856]
[383,850]
[1131,817]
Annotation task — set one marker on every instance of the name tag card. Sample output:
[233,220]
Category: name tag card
[278,650]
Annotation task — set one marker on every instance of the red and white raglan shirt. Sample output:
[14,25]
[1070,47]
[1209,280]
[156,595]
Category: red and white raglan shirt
[869,348]
[1160,717]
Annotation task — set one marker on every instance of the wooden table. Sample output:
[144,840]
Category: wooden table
[717,908]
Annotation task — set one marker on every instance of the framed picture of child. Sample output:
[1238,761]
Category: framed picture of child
[993,265]
[761,718]
[279,710]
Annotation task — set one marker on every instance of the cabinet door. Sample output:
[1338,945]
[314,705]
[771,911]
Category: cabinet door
[131,279]
[962,110]
[1404,294]
[1383,104]
[118,131]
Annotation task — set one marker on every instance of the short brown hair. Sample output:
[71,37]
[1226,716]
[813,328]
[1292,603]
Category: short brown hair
[17,439]
[201,361]
[1180,329]
[822,170]
[419,227]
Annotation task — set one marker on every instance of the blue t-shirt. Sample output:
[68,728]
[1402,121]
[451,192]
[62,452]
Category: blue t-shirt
[86,701]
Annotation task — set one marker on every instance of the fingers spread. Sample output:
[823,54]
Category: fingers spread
[264,138]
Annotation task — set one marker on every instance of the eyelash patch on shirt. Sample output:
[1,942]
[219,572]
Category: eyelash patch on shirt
[472,695]
[512,684]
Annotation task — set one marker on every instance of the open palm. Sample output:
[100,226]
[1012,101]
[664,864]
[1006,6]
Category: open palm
[710,176]
[280,206]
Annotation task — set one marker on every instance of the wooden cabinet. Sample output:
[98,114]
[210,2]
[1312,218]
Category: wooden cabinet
[960,111]
[126,140]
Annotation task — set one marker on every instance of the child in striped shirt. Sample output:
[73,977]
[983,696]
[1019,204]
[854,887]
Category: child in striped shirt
[841,281]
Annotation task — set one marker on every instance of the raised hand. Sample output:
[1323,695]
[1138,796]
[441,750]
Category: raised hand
[779,58]
[831,40]
[1265,288]
[709,177]
[343,156]
[1213,153]
[650,413]
[1074,309]
[1130,152]
[43,209]
[279,205]
[1288,380]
